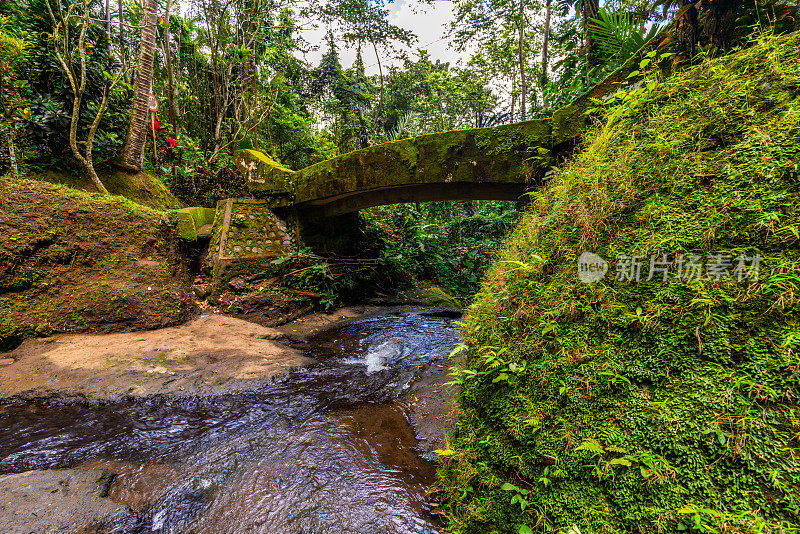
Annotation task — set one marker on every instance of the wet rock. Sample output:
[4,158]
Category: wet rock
[61,500]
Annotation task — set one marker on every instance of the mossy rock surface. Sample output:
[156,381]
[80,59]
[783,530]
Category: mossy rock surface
[142,188]
[505,154]
[651,406]
[266,178]
[72,261]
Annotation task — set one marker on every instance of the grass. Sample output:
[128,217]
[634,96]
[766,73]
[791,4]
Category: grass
[651,406]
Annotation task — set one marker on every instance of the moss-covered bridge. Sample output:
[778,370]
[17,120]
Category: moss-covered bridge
[498,163]
[316,205]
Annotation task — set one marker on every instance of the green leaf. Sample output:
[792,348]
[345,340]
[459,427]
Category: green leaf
[508,487]
[590,445]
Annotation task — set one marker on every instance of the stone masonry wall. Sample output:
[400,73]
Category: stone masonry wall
[246,237]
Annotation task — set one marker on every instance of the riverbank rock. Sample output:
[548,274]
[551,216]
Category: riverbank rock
[610,389]
[210,354]
[72,261]
[60,500]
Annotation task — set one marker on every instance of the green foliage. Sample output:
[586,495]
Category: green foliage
[621,35]
[447,243]
[671,406]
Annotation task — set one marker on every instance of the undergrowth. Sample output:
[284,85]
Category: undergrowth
[649,406]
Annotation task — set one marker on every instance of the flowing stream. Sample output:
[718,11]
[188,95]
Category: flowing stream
[320,450]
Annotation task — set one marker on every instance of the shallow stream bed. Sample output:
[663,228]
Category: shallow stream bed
[324,449]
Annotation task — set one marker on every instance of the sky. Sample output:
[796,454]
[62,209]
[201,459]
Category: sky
[429,21]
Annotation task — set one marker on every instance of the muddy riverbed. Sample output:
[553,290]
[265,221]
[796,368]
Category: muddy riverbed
[329,447]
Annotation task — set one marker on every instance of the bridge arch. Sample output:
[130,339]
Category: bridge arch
[499,163]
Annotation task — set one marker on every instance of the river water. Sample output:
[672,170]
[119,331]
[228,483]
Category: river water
[320,450]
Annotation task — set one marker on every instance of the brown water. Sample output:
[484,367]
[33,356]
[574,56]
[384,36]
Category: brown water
[322,450]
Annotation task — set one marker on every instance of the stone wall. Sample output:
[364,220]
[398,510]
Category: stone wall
[246,237]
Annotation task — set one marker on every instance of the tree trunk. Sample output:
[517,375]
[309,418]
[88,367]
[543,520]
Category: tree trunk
[797,17]
[591,11]
[218,112]
[12,155]
[380,73]
[173,113]
[686,28]
[545,41]
[133,153]
[522,85]
[513,93]
[126,76]
[108,28]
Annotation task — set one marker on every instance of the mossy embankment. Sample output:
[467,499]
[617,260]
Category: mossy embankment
[72,261]
[140,187]
[650,406]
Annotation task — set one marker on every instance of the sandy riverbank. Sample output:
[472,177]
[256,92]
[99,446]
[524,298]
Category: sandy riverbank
[209,355]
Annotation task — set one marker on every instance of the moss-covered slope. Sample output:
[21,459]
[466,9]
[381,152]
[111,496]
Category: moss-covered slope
[653,406]
[140,187]
[73,261]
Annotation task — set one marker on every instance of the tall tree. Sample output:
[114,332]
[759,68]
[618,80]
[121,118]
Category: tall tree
[68,52]
[367,21]
[171,102]
[545,51]
[496,25]
[132,157]
[520,47]
[590,10]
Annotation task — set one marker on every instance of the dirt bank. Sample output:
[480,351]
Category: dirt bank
[71,261]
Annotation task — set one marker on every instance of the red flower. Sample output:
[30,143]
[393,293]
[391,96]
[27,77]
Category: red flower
[155,125]
[172,143]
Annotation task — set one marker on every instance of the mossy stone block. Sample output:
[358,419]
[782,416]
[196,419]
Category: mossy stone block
[266,178]
[191,219]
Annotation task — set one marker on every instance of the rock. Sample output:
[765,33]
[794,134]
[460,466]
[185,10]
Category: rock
[60,500]
[201,291]
[204,231]
[237,284]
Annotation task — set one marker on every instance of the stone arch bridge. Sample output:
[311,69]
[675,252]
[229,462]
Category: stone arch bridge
[316,205]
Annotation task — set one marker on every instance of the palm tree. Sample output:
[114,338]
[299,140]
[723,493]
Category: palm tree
[591,11]
[132,157]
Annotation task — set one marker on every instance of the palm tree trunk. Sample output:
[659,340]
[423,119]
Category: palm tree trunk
[591,11]
[173,113]
[122,54]
[133,153]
